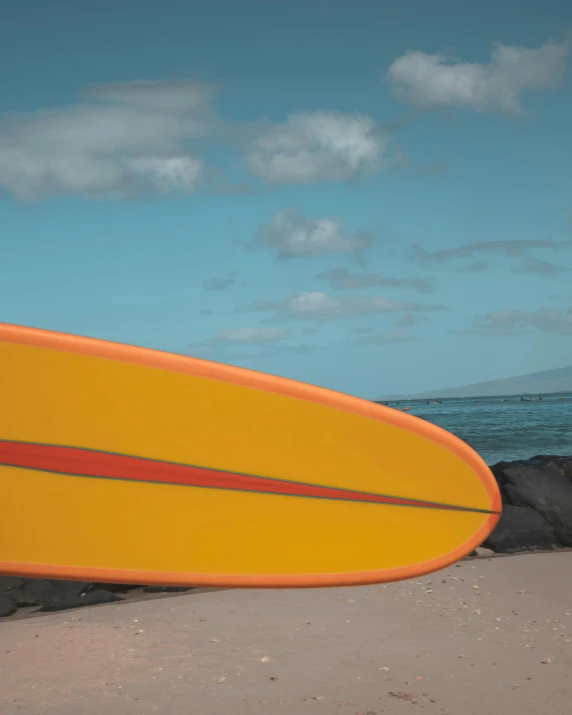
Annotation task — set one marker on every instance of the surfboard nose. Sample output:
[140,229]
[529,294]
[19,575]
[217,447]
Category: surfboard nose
[281,485]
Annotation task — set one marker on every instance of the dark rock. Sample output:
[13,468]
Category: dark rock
[7,606]
[8,583]
[520,528]
[547,491]
[537,504]
[563,464]
[499,475]
[56,595]
[91,598]
[40,592]
[115,587]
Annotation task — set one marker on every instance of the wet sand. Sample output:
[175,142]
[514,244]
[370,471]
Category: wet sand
[487,636]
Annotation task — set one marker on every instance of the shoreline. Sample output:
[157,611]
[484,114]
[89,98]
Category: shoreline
[482,636]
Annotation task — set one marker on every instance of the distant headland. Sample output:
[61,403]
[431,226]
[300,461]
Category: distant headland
[546,382]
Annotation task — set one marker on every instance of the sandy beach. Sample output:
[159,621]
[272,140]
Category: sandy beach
[485,636]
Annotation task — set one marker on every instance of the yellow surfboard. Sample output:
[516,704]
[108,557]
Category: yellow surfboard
[130,465]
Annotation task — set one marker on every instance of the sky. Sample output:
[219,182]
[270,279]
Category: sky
[371,196]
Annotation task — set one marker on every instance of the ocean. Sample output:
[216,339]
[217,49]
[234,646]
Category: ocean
[503,431]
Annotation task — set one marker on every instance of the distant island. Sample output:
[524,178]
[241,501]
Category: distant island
[536,383]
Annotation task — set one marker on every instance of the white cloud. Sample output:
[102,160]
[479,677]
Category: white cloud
[171,173]
[319,306]
[388,337]
[342,279]
[433,80]
[124,139]
[516,322]
[317,146]
[516,248]
[133,138]
[295,236]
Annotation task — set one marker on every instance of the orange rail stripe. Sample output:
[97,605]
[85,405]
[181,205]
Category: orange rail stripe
[80,462]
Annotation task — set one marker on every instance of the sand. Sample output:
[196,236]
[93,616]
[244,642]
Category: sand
[487,636]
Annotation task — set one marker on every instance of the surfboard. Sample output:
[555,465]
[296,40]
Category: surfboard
[130,465]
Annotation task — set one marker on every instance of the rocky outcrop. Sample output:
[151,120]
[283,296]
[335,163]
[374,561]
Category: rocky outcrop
[537,505]
[521,529]
[50,595]
[7,606]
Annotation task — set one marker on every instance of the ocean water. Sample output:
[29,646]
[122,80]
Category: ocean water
[504,430]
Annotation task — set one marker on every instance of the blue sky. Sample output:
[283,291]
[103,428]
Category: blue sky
[371,196]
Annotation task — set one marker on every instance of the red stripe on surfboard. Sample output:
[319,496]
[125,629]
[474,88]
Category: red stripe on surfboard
[92,463]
